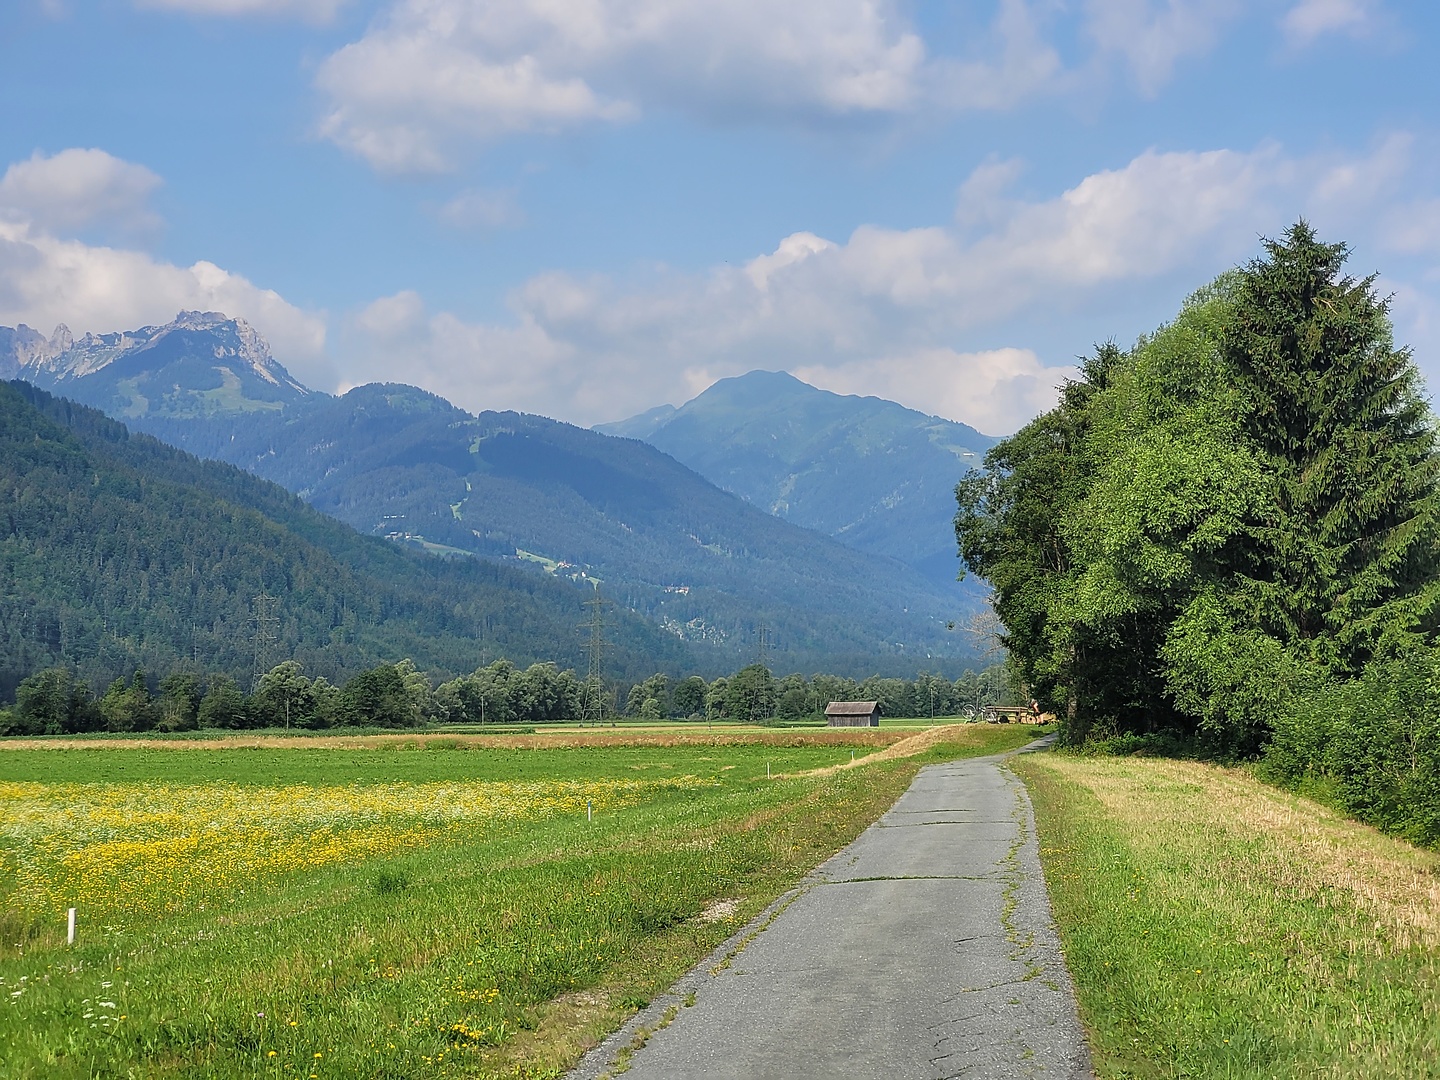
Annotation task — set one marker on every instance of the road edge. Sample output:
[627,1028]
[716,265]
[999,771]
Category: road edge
[609,1057]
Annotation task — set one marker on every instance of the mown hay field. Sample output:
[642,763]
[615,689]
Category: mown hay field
[1218,927]
[397,909]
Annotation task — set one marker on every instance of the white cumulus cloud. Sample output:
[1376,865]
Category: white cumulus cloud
[77,188]
[45,281]
[430,77]
[431,74]
[48,277]
[940,318]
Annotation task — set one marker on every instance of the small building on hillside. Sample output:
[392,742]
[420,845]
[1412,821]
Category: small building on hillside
[853,713]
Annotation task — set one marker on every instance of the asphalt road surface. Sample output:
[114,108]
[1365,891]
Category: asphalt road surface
[923,950]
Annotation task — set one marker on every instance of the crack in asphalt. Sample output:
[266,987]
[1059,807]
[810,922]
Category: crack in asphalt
[920,824]
[905,877]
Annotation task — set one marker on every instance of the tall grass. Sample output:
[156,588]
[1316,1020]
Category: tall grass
[1217,927]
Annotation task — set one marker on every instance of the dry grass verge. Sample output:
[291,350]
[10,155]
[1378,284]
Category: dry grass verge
[964,738]
[1219,927]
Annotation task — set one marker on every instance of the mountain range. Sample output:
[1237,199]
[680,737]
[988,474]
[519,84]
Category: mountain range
[118,552]
[718,571]
[870,473]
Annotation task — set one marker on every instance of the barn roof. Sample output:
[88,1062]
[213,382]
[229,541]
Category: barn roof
[851,708]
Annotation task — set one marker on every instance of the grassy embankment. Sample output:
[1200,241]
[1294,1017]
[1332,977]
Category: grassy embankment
[1218,927]
[422,908]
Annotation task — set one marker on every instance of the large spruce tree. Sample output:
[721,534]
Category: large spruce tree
[1344,560]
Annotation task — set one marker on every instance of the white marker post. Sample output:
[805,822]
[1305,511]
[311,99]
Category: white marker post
[589,810]
[70,927]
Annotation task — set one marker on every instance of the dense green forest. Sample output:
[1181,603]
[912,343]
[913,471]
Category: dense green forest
[56,702]
[118,552]
[1228,538]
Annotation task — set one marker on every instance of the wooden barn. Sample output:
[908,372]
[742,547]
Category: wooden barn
[853,713]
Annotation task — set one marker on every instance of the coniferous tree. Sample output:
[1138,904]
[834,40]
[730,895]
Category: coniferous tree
[224,705]
[689,697]
[379,697]
[127,706]
[1346,556]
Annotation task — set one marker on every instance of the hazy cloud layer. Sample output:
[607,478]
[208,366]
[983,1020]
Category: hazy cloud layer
[994,391]
[1153,36]
[1311,19]
[309,10]
[479,208]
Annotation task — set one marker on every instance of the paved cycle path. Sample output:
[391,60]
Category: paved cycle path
[923,950]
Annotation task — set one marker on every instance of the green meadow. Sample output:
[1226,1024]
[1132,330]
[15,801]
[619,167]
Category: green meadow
[447,908]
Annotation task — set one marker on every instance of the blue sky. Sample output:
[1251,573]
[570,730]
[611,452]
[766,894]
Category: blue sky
[588,207]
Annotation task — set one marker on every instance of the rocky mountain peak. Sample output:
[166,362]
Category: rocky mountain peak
[200,363]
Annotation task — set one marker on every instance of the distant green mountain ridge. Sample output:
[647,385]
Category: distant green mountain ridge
[876,476]
[710,569]
[118,552]
[398,462]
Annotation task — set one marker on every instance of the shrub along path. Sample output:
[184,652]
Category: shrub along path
[923,950]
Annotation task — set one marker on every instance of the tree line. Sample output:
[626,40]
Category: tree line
[57,701]
[1227,539]
[753,693]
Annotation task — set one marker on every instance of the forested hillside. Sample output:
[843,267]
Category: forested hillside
[1229,535]
[398,462]
[118,552]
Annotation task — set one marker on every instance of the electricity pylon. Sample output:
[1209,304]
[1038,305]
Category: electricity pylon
[592,694]
[266,633]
